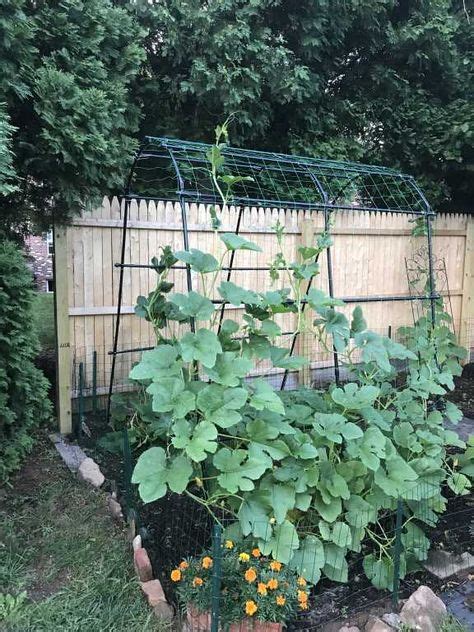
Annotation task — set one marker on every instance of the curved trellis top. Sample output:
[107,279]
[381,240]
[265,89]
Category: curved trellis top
[167,168]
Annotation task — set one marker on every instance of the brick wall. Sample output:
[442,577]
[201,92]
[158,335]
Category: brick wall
[41,261]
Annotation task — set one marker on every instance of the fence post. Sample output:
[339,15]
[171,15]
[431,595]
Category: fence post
[94,382]
[304,374]
[216,576]
[397,550]
[127,476]
[81,401]
[61,319]
[467,304]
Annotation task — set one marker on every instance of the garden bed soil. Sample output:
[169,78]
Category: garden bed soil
[463,394]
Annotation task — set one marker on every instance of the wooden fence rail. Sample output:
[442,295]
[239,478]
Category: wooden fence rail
[369,258]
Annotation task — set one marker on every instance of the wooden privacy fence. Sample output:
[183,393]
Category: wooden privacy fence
[370,256]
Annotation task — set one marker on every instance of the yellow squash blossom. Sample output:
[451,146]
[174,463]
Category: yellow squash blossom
[175,575]
[197,581]
[244,557]
[229,544]
[262,588]
[183,565]
[281,601]
[250,607]
[275,566]
[250,575]
[207,562]
[256,552]
[301,581]
[272,584]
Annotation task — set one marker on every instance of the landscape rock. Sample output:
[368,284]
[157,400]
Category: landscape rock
[71,454]
[163,611]
[115,509]
[392,619]
[137,542]
[423,610]
[142,565]
[443,564]
[374,624]
[349,628]
[90,472]
[153,592]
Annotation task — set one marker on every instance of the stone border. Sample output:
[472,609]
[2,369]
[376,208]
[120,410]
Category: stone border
[87,470]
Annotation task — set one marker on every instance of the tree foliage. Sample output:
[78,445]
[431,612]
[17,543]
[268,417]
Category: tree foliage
[66,74]
[24,400]
[377,81]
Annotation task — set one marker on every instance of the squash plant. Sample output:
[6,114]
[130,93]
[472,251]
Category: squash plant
[307,475]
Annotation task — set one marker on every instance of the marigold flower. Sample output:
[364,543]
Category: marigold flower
[302,596]
[281,601]
[183,565]
[250,575]
[250,607]
[272,584]
[256,552]
[262,588]
[304,605]
[175,575]
[301,581]
[244,557]
[197,581]
[275,566]
[229,544]
[206,562]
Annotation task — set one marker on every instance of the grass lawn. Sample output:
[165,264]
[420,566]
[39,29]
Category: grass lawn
[64,565]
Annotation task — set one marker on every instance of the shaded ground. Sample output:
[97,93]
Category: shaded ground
[59,546]
[463,394]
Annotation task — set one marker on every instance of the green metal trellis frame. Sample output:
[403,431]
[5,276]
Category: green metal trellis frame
[177,170]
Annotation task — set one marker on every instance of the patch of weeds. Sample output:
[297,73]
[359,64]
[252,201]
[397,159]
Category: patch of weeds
[451,624]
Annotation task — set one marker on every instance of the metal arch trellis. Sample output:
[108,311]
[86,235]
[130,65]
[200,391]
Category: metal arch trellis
[177,170]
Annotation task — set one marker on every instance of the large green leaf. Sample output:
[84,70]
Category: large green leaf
[308,560]
[236,242]
[229,369]
[254,516]
[197,441]
[238,469]
[282,544]
[154,471]
[282,500]
[198,260]
[355,397]
[202,346]
[265,398]
[335,566]
[335,427]
[193,305]
[236,295]
[220,405]
[170,395]
[396,478]
[157,363]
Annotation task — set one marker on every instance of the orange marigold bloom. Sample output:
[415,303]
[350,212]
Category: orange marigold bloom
[197,581]
[183,565]
[304,605]
[256,552]
[262,588]
[301,581]
[175,575]
[281,601]
[275,566]
[207,562]
[250,607]
[244,557]
[272,584]
[250,575]
[229,544]
[302,596]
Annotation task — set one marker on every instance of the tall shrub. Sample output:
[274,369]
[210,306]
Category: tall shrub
[23,388]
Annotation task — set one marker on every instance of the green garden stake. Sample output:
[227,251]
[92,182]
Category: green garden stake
[216,576]
[94,382]
[397,551]
[127,471]
[81,401]
[389,334]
